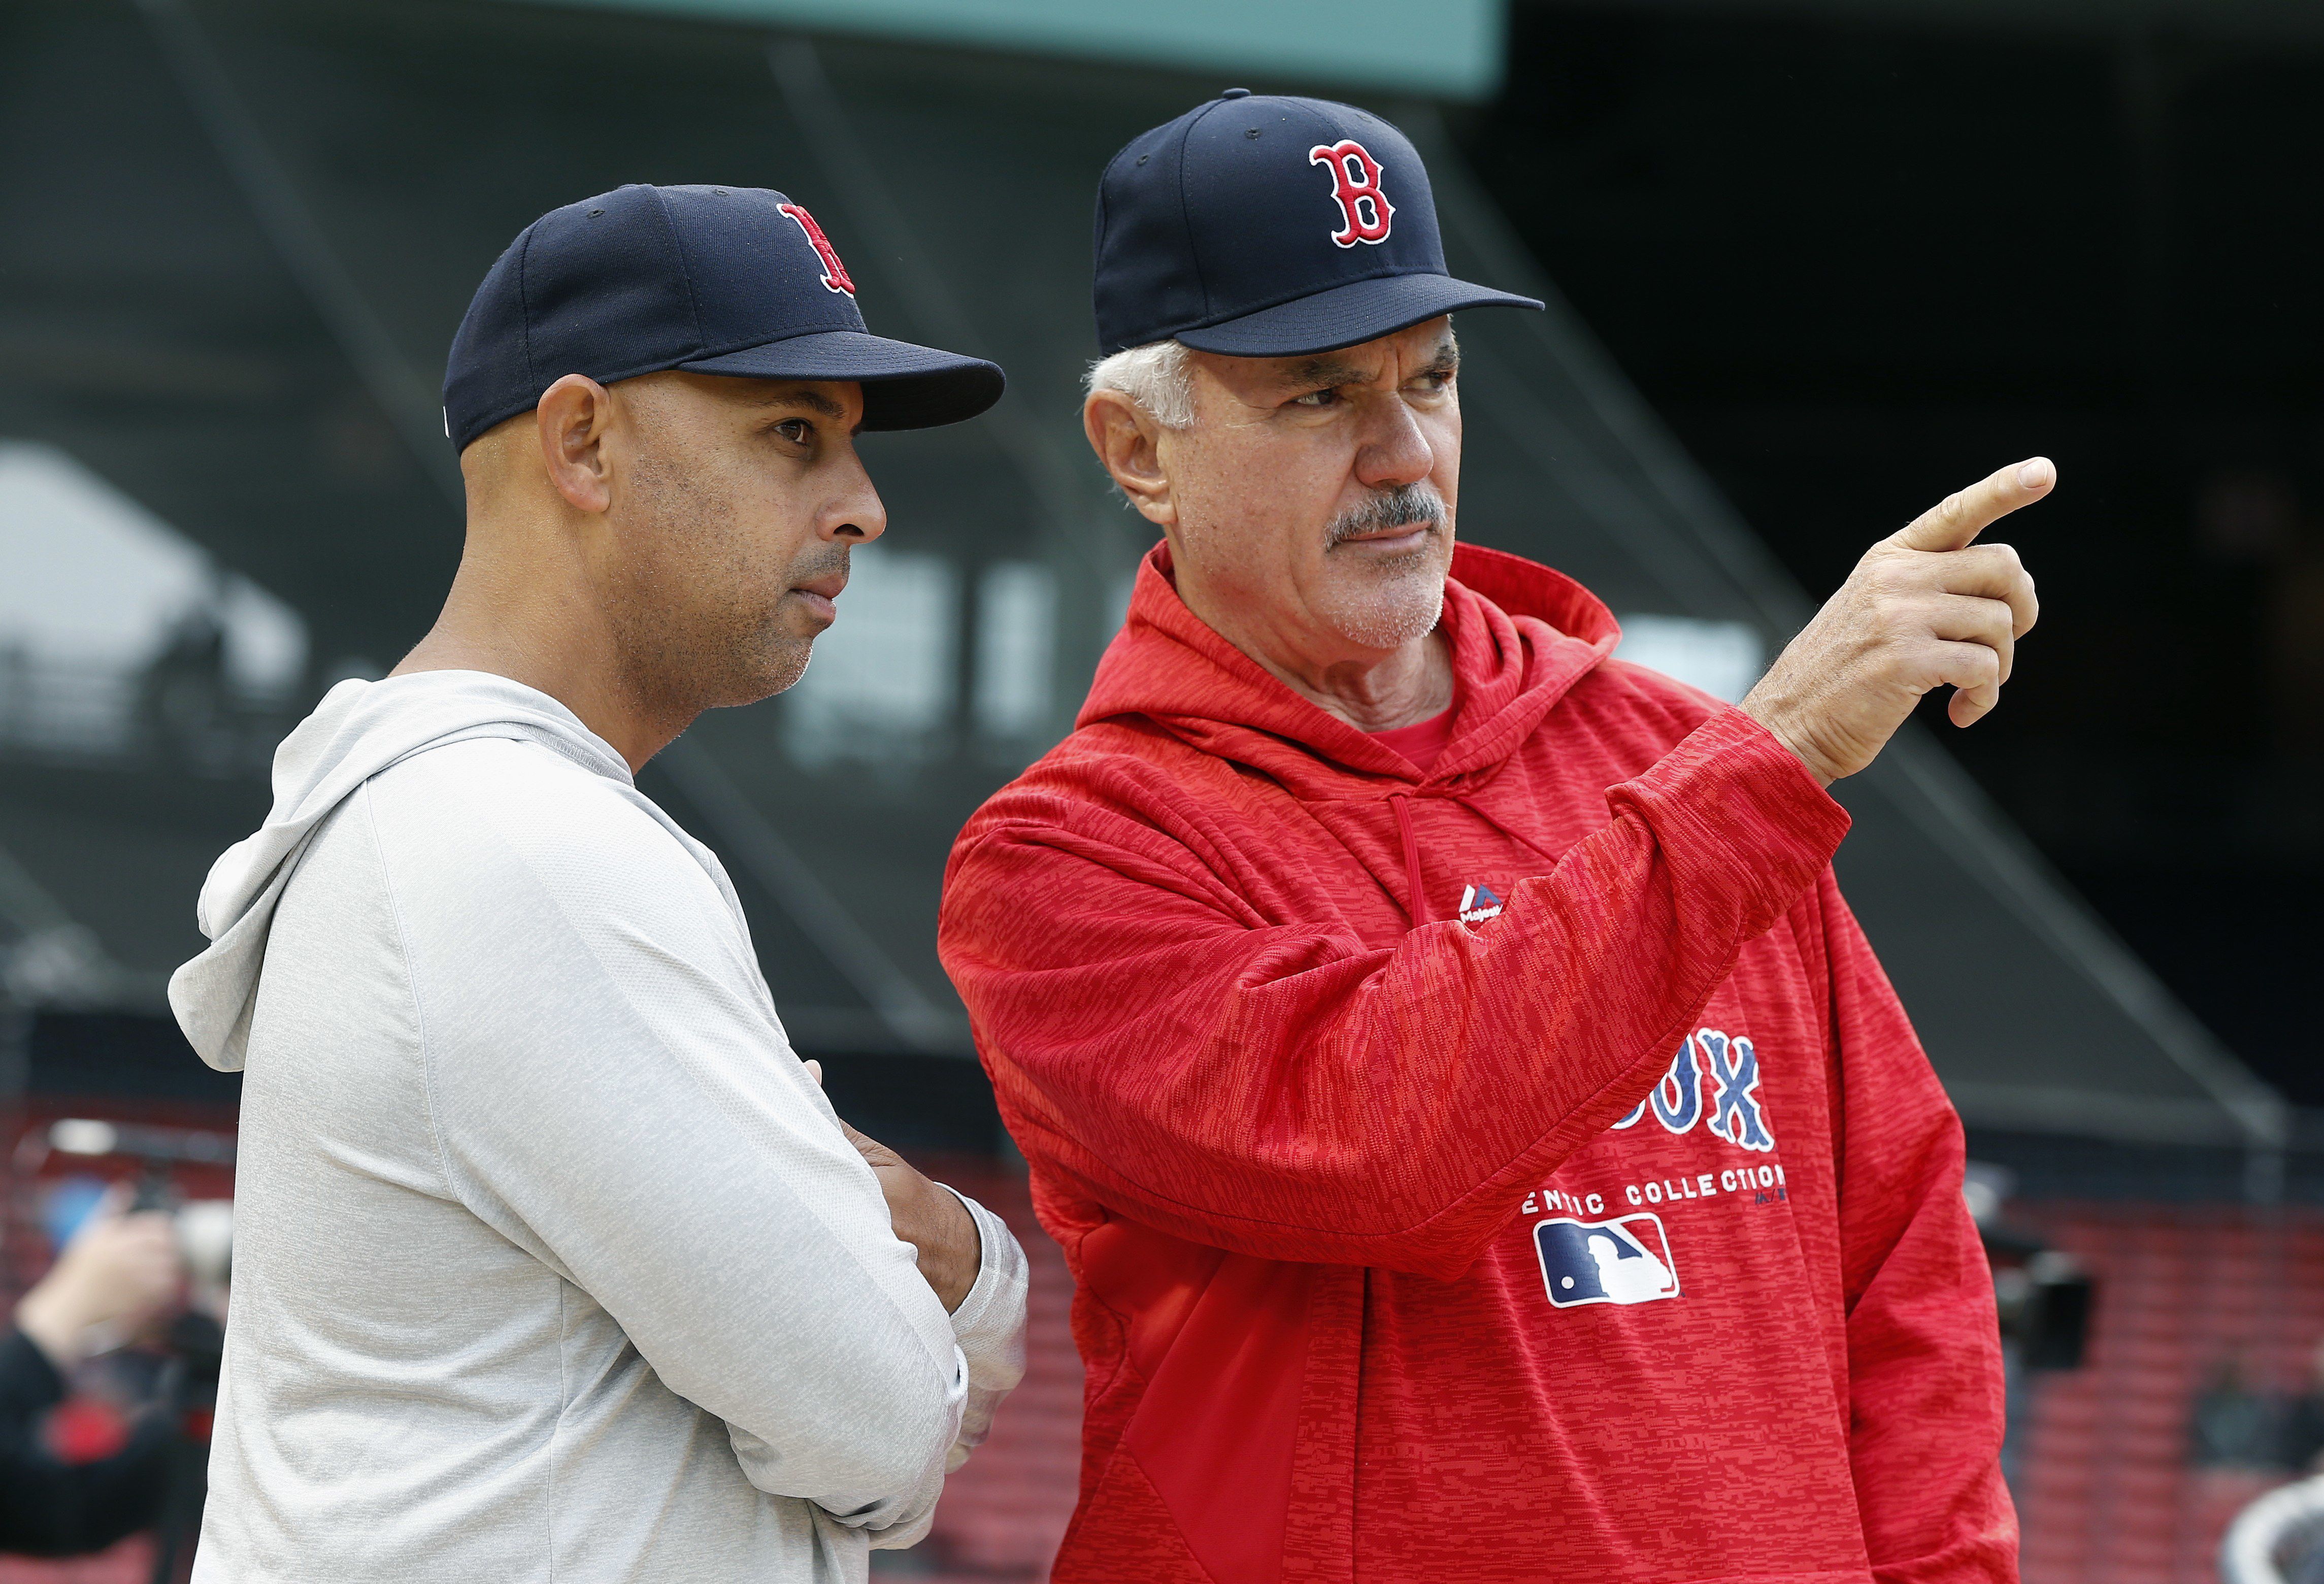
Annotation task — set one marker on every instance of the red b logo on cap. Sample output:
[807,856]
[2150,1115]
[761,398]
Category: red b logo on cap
[834,273]
[1356,189]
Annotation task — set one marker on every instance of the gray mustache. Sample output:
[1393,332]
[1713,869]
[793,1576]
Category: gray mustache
[1403,507]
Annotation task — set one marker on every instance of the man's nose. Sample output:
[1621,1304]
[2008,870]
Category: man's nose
[856,512]
[1391,449]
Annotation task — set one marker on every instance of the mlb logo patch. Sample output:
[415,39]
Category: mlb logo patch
[1622,1261]
[1479,904]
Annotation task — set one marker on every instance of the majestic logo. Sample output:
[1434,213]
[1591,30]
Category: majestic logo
[1729,1066]
[1364,210]
[1623,1261]
[834,273]
[1479,904]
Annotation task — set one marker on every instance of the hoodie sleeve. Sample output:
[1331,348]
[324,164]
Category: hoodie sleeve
[607,1086]
[1923,1348]
[1287,1091]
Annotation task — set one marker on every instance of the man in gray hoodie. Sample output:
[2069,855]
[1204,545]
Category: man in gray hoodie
[552,1259]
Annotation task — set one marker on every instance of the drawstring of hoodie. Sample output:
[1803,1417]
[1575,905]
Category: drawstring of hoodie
[1519,837]
[1418,909]
[1401,803]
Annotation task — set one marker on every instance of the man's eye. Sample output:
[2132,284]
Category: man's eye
[1317,398]
[794,430]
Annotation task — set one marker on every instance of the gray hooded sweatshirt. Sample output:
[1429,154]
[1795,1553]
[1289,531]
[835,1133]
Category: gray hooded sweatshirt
[550,1259]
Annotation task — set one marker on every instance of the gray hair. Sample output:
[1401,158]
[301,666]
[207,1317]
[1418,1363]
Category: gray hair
[1159,376]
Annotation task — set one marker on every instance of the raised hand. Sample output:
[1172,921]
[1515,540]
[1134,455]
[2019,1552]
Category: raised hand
[1926,607]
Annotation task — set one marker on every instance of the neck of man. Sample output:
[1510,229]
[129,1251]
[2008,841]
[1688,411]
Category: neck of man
[525,606]
[1373,690]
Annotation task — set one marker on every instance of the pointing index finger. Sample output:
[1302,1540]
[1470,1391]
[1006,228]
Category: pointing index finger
[1956,521]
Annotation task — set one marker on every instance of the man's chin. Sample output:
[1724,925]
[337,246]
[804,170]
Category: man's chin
[773,665]
[779,670]
[1384,619]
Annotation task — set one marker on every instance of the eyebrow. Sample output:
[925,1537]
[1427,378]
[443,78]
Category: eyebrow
[814,401]
[1320,373]
[1324,372]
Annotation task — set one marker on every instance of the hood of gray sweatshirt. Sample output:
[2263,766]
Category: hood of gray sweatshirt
[360,729]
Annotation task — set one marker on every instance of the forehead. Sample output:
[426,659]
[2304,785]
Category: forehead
[1430,345]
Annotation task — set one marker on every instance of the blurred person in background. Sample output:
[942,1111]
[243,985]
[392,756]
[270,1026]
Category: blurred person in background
[552,1259]
[2300,1430]
[2236,1425]
[1482,1138]
[119,1271]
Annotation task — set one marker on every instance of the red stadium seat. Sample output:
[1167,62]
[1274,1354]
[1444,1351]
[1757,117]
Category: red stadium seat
[2106,1491]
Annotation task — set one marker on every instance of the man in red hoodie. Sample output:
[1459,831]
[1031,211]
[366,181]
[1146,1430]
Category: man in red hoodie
[1484,1143]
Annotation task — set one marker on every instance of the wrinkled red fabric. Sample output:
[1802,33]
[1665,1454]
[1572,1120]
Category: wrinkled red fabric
[1517,1169]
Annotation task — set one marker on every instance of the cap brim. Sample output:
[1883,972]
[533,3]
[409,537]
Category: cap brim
[1346,315]
[905,387]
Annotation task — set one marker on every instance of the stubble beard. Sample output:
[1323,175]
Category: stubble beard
[699,621]
[1397,600]
[785,654]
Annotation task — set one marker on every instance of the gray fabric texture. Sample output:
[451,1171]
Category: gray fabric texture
[551,1261]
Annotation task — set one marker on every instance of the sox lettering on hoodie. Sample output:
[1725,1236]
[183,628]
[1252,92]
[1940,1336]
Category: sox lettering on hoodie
[1711,1087]
[1418,1137]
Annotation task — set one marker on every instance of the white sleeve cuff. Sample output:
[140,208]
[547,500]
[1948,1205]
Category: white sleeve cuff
[989,1327]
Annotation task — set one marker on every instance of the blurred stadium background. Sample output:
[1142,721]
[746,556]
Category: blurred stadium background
[1811,264]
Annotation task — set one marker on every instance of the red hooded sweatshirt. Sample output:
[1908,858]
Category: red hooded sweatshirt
[1518,1170]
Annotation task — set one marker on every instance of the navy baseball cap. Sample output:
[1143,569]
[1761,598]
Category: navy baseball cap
[714,280]
[1261,225]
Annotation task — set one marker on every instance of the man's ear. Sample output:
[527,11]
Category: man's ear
[572,419]
[1128,441]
